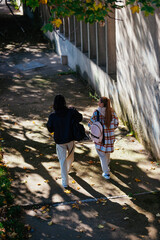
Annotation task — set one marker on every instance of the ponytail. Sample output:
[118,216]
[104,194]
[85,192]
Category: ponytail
[108,113]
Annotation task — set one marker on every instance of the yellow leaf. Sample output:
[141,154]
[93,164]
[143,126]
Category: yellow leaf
[137,180]
[135,9]
[57,22]
[73,182]
[100,226]
[100,5]
[125,208]
[146,14]
[75,206]
[78,188]
[42,208]
[46,181]
[67,191]
[88,1]
[50,223]
[43,1]
[33,122]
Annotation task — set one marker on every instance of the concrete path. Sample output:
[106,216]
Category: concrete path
[124,209]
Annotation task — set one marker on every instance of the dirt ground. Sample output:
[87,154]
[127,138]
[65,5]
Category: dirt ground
[125,207]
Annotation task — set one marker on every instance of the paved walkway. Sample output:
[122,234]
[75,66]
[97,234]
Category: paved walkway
[26,97]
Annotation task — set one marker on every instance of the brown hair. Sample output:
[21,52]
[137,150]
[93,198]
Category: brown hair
[108,113]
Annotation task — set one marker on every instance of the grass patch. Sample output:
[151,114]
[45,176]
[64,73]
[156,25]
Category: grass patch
[10,226]
[94,96]
[66,73]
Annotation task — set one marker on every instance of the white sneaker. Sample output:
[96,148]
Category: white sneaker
[106,176]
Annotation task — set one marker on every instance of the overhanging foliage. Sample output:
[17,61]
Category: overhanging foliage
[90,10]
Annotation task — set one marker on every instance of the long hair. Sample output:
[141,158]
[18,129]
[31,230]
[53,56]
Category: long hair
[108,113]
[59,103]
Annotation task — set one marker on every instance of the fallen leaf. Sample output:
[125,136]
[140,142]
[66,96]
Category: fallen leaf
[39,184]
[46,181]
[78,188]
[125,208]
[73,182]
[67,191]
[101,200]
[75,206]
[50,223]
[137,180]
[100,226]
[90,162]
[42,208]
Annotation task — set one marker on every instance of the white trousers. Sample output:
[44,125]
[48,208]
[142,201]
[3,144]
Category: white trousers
[65,153]
[105,160]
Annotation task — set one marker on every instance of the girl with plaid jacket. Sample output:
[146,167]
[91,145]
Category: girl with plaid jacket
[109,120]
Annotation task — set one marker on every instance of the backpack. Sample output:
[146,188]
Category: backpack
[96,131]
[78,131]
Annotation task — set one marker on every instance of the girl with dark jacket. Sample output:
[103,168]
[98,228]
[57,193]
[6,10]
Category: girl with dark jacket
[60,123]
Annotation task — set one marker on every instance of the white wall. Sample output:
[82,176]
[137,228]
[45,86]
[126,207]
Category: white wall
[138,77]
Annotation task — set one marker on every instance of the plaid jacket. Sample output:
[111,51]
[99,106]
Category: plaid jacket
[108,146]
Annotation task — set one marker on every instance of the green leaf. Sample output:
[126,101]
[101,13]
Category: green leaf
[47,27]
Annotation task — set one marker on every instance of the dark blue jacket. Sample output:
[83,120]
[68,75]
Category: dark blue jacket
[61,122]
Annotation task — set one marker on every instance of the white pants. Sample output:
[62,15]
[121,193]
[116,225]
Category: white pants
[105,160]
[65,153]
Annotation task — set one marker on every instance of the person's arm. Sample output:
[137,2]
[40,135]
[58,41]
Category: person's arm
[50,125]
[92,119]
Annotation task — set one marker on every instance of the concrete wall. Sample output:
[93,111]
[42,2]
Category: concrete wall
[138,74]
[129,69]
